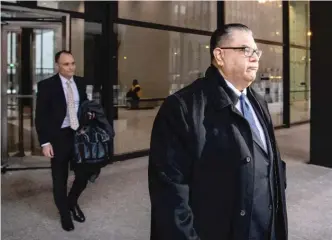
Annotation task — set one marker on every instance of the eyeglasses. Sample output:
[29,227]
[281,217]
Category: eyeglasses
[248,51]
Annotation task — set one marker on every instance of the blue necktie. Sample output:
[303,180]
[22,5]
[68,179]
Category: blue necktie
[247,113]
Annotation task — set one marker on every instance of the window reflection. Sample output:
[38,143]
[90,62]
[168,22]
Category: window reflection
[163,62]
[299,28]
[45,47]
[299,61]
[168,59]
[299,85]
[188,14]
[75,6]
[269,81]
[264,18]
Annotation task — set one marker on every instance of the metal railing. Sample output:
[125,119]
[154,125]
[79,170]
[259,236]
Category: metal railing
[43,73]
[299,95]
[20,122]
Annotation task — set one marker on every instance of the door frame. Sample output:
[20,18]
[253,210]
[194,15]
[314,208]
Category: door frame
[7,26]
[4,87]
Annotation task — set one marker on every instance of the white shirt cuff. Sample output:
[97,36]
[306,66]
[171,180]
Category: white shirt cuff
[45,144]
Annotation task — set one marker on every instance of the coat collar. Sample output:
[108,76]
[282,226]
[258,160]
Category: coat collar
[64,80]
[221,95]
[61,92]
[73,78]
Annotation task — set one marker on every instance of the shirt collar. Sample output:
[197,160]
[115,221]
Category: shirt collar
[237,92]
[65,80]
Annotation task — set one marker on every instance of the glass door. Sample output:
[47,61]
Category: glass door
[28,47]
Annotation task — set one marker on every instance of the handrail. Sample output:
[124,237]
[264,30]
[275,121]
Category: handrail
[295,91]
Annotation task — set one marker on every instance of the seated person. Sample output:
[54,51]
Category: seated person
[134,94]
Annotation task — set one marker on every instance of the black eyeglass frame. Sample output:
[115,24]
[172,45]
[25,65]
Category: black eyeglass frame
[249,49]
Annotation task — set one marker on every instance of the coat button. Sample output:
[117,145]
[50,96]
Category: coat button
[243,213]
[270,207]
[248,159]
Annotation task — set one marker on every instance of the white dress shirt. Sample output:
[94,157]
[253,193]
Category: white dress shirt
[66,121]
[238,106]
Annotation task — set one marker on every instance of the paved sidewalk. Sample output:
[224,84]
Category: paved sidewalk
[118,207]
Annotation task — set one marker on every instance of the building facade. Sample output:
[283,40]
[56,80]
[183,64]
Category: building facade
[162,44]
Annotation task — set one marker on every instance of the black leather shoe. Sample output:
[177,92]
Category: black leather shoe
[77,213]
[66,223]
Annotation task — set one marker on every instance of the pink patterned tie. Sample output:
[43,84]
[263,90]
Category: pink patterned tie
[71,107]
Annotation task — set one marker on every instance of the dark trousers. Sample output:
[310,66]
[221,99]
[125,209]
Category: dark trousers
[63,147]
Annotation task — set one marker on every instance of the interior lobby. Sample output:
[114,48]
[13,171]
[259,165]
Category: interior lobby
[164,45]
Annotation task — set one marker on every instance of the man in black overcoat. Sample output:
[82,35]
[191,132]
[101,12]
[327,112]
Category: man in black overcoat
[214,167]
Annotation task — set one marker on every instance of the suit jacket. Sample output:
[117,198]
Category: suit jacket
[51,106]
[201,165]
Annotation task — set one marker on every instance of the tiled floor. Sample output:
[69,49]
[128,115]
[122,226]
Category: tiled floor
[133,133]
[294,143]
[118,208]
[133,128]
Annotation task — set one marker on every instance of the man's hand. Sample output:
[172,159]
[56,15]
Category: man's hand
[91,115]
[48,151]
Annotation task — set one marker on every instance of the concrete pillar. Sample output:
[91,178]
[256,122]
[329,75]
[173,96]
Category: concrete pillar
[77,44]
[321,84]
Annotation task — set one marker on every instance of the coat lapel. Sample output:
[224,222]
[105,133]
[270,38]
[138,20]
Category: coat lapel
[260,103]
[264,127]
[259,143]
[61,93]
[262,113]
[222,96]
[80,88]
[78,85]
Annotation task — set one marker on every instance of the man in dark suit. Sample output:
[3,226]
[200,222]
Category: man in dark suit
[58,100]
[214,169]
